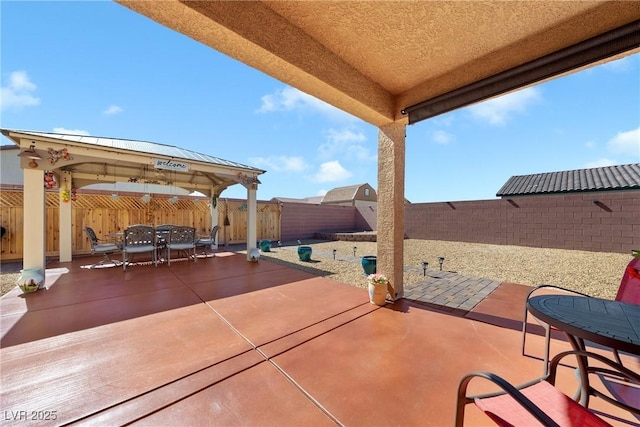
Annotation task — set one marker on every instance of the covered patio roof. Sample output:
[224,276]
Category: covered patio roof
[107,160]
[377,59]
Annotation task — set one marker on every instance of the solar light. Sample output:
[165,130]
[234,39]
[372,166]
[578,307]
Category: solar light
[425,264]
[299,242]
[441,261]
[279,244]
[355,248]
[334,254]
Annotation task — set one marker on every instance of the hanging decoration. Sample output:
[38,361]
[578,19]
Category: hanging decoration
[65,194]
[147,197]
[55,155]
[49,180]
[74,195]
[248,180]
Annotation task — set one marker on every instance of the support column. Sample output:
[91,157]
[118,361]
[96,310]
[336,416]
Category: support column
[34,249]
[390,240]
[213,210]
[252,219]
[64,227]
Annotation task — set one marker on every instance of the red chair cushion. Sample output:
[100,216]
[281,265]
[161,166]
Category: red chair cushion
[505,411]
[629,290]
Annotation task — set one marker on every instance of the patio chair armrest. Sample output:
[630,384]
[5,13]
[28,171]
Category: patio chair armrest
[614,368]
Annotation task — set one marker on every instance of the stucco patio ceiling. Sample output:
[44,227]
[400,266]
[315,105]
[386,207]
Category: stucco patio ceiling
[374,59]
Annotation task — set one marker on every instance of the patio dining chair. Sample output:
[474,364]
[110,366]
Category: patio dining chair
[208,242]
[102,247]
[181,239]
[537,402]
[628,291]
[139,239]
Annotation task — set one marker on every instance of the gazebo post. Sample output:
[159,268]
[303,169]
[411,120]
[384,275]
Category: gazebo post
[34,251]
[252,218]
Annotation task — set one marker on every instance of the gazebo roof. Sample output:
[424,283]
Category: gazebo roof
[100,160]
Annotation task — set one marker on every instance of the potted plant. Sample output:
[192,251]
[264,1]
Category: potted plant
[377,288]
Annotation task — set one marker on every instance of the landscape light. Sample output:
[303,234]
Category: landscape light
[425,264]
[441,261]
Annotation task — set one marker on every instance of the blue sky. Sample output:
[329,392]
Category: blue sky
[97,68]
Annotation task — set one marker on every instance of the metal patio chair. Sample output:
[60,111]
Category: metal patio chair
[139,239]
[181,239]
[208,241]
[628,291]
[537,402]
[102,247]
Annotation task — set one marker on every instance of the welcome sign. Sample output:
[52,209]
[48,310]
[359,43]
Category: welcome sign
[170,165]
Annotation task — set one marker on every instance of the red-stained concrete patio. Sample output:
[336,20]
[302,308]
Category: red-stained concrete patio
[227,342]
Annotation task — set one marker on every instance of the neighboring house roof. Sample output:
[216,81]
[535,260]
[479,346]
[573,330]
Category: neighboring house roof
[619,177]
[311,200]
[341,194]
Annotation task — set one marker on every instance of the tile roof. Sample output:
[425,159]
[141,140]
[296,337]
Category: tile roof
[618,177]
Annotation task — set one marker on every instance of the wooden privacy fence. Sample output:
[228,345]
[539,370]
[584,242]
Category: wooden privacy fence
[110,215]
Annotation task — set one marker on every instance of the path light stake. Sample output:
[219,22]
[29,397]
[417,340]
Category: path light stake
[425,264]
[334,254]
[441,261]
[355,248]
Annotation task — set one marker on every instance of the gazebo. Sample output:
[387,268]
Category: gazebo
[80,160]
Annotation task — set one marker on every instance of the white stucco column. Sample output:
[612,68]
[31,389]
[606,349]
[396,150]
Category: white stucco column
[64,227]
[390,240]
[34,248]
[252,219]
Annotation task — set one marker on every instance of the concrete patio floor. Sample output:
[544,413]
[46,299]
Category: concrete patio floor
[232,343]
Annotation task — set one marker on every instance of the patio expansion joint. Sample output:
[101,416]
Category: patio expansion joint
[177,381]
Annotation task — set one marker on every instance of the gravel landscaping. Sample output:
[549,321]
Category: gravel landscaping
[595,273]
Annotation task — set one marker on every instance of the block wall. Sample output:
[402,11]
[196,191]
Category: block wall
[601,222]
[300,220]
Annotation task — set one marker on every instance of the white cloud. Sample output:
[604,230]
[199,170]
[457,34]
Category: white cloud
[290,99]
[442,137]
[621,65]
[600,163]
[590,144]
[331,172]
[498,110]
[71,131]
[112,109]
[626,143]
[280,163]
[17,93]
[445,120]
[344,141]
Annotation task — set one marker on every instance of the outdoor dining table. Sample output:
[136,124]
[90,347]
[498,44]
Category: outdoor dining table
[612,324]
